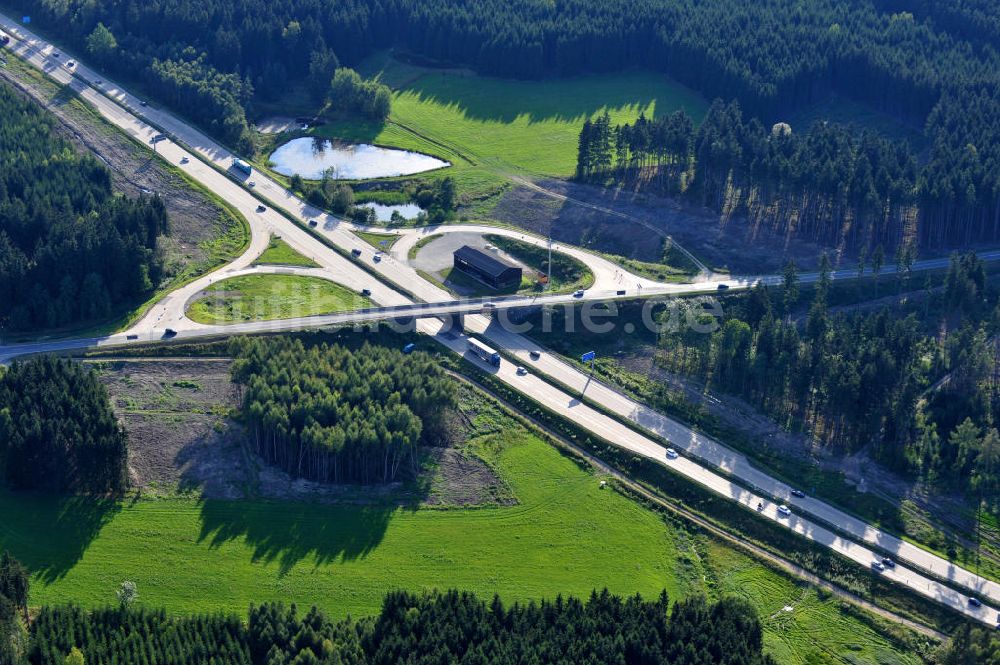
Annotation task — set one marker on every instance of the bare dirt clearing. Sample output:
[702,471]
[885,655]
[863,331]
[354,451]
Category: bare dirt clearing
[579,221]
[183,441]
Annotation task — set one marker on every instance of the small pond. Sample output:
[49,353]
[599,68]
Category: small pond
[310,157]
[383,213]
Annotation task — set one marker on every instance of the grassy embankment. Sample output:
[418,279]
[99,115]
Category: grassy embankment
[272,296]
[420,244]
[674,266]
[567,273]
[380,241]
[280,253]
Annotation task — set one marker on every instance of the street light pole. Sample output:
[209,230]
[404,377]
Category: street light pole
[548,283]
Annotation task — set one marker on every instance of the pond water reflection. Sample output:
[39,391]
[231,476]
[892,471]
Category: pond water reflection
[383,213]
[310,157]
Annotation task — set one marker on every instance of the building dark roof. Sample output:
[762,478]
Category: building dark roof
[484,262]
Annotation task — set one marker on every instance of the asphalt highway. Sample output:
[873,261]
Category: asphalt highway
[706,461]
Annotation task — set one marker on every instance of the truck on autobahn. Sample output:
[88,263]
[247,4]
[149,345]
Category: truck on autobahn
[242,166]
[483,352]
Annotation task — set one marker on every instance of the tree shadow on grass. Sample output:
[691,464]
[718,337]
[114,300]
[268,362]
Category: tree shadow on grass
[65,95]
[50,534]
[489,99]
[287,533]
[350,130]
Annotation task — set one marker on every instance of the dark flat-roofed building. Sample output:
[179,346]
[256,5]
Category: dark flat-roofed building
[487,268]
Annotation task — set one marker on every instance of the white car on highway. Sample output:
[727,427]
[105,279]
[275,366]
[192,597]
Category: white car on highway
[784,510]
[671,453]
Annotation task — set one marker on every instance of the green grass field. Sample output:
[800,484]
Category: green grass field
[267,297]
[491,128]
[279,252]
[565,535]
[532,127]
[801,624]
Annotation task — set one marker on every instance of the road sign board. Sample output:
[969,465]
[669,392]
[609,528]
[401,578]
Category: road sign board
[588,356]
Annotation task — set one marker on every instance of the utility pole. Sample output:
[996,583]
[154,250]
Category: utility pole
[548,282]
[589,356]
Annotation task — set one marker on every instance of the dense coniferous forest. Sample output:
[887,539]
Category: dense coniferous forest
[920,387]
[971,646]
[136,636]
[57,429]
[213,98]
[70,249]
[770,55]
[827,185]
[603,629]
[426,629]
[14,587]
[334,415]
[933,64]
